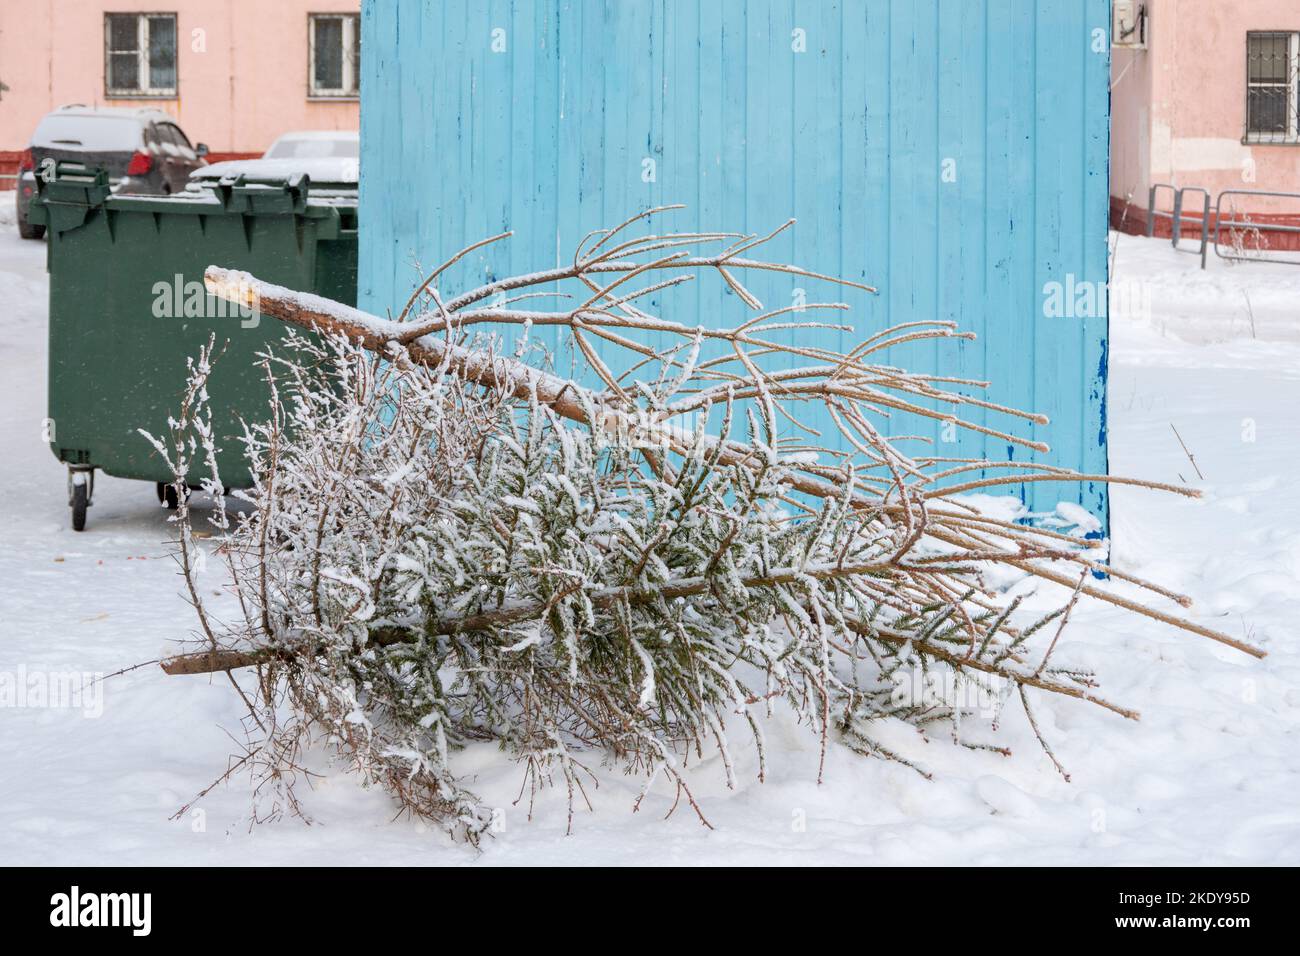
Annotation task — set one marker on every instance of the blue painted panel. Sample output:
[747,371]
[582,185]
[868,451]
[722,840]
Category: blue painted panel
[552,136]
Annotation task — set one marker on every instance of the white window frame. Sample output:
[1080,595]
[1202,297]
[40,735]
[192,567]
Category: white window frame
[142,26]
[351,88]
[1292,134]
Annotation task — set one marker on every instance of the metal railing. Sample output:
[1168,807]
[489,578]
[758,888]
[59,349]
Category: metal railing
[1212,222]
[1152,212]
[1177,217]
[1250,226]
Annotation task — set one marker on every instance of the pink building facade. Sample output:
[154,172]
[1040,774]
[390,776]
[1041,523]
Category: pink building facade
[235,73]
[1207,94]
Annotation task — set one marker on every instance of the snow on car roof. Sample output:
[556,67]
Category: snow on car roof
[316,144]
[139,113]
[320,134]
[336,169]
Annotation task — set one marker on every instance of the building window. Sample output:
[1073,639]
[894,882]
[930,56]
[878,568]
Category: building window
[140,54]
[335,55]
[1273,87]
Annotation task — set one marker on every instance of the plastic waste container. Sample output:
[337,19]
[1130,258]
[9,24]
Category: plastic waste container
[127,307]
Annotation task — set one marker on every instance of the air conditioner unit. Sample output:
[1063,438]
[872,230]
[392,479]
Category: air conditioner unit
[1128,28]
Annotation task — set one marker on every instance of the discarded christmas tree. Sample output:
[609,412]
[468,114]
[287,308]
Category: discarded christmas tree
[448,542]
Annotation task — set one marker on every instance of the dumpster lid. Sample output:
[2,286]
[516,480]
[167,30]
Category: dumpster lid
[66,199]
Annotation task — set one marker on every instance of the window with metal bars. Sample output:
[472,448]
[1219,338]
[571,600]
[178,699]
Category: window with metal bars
[140,54]
[334,42]
[1273,87]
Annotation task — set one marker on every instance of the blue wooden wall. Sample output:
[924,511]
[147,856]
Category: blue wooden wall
[551,138]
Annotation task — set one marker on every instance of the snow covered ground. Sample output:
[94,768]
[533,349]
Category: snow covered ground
[1210,773]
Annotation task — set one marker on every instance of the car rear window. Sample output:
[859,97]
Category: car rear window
[100,133]
[295,147]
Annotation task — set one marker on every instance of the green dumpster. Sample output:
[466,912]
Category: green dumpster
[127,307]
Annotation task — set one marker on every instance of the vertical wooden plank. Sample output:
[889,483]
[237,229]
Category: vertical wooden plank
[811,192]
[901,183]
[914,187]
[998,330]
[590,105]
[696,123]
[667,168]
[544,243]
[713,129]
[855,196]
[561,207]
[1051,82]
[428,233]
[770,120]
[972,179]
[949,170]
[875,35]
[524,46]
[378,34]
[1014,371]
[822,213]
[1094,216]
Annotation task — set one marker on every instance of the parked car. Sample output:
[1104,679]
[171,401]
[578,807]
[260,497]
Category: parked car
[328,157]
[316,144]
[143,150]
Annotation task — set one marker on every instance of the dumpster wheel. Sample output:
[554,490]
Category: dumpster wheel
[81,485]
[79,508]
[167,495]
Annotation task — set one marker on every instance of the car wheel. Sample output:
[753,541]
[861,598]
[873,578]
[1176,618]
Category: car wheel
[29,231]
